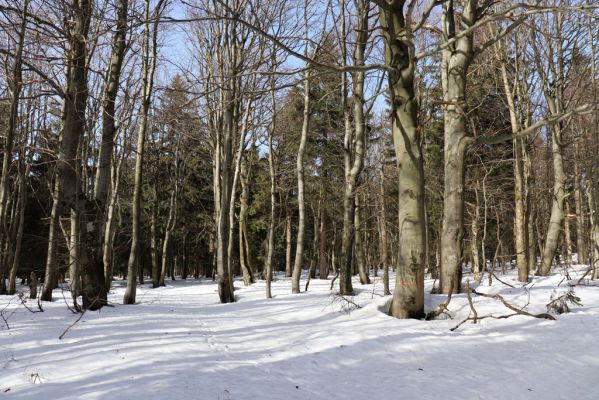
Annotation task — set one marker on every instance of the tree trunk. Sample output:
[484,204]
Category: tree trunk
[474,228]
[51,275]
[383,221]
[15,85]
[567,235]
[109,229]
[353,168]
[359,243]
[273,200]
[74,256]
[23,173]
[557,208]
[154,243]
[148,69]
[301,225]
[456,60]
[593,193]
[323,272]
[102,181]
[288,244]
[581,243]
[520,227]
[244,256]
[408,296]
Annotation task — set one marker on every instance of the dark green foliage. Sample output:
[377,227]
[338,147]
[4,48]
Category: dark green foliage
[561,304]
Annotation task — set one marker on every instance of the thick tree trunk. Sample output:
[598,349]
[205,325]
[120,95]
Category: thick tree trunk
[557,208]
[224,278]
[408,296]
[456,60]
[102,181]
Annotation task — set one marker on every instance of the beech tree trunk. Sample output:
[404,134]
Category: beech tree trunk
[353,143]
[456,60]
[148,69]
[554,98]
[408,296]
[299,169]
[520,227]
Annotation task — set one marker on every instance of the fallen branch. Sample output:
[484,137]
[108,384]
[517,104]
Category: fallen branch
[473,314]
[511,307]
[72,325]
[505,283]
[442,309]
[347,305]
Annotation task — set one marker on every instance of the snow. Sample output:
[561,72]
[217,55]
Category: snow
[178,342]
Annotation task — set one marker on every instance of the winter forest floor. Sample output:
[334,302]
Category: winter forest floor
[180,343]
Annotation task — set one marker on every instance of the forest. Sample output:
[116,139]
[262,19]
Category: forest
[404,156]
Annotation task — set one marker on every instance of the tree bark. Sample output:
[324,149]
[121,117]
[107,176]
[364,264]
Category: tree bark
[148,69]
[520,227]
[456,60]
[273,200]
[554,99]
[299,169]
[359,243]
[353,157]
[408,296]
[15,84]
[244,256]
[581,247]
[288,244]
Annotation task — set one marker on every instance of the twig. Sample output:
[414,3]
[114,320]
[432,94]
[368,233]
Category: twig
[333,280]
[505,283]
[349,304]
[23,303]
[483,317]
[441,310]
[72,325]
[589,269]
[472,309]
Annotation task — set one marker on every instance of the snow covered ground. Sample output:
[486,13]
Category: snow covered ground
[180,343]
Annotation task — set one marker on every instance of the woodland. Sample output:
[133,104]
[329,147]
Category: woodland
[418,150]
